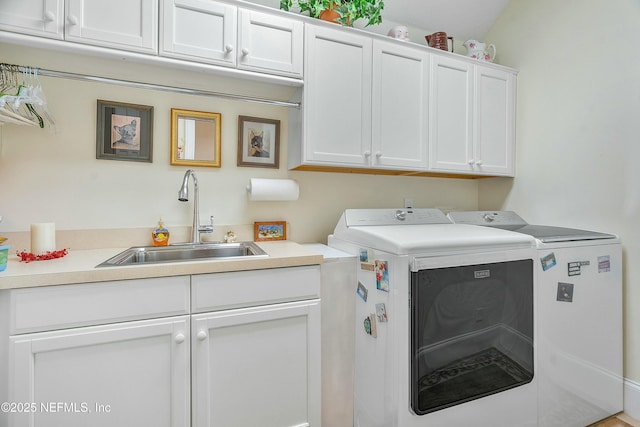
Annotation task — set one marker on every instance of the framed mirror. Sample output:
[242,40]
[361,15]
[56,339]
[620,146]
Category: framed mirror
[195,138]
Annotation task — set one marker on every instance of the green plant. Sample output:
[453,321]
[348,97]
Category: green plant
[349,10]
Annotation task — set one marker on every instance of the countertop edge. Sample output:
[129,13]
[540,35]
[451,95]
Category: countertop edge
[79,266]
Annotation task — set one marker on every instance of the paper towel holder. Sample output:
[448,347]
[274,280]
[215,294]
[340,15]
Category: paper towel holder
[263,189]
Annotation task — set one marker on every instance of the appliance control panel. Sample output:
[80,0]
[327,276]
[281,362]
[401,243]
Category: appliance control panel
[405,216]
[488,218]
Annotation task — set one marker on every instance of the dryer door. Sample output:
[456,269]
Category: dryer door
[471,332]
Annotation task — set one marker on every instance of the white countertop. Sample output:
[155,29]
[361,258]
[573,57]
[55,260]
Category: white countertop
[78,266]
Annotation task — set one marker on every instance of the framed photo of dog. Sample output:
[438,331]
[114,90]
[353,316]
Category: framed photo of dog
[124,132]
[258,142]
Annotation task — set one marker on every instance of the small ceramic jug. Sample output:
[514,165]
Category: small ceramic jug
[480,51]
[439,40]
[399,32]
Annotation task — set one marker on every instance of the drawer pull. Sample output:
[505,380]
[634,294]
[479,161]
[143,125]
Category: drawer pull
[179,338]
[202,335]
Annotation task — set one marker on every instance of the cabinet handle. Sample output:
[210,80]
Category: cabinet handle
[179,338]
[378,154]
[479,162]
[471,162]
[202,335]
[245,52]
[228,48]
[367,153]
[73,20]
[49,16]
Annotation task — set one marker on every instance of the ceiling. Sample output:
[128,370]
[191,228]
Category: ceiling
[462,19]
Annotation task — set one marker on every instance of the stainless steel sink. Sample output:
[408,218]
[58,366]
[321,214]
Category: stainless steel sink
[140,255]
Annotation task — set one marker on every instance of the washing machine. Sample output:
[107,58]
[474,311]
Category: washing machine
[444,321]
[579,318]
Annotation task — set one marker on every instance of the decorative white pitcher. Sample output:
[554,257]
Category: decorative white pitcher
[480,51]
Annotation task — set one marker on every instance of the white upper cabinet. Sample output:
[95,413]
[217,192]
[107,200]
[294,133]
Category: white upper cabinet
[337,98]
[472,118]
[44,18]
[365,103]
[119,24]
[199,30]
[195,31]
[371,104]
[268,43]
[451,115]
[221,34]
[494,121]
[400,107]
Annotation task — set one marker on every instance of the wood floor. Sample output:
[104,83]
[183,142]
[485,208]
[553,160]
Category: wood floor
[620,420]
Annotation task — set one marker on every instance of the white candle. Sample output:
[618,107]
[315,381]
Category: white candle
[43,237]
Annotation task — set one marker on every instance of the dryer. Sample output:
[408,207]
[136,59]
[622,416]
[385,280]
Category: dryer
[579,318]
[444,321]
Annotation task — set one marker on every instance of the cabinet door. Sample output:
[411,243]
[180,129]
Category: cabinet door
[126,374]
[44,18]
[257,367]
[494,121]
[451,115]
[400,106]
[199,30]
[337,98]
[120,24]
[270,44]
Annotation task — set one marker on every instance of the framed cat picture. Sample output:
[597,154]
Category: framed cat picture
[124,132]
[258,142]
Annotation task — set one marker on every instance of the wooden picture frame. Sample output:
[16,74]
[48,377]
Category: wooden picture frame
[268,231]
[196,138]
[124,131]
[258,142]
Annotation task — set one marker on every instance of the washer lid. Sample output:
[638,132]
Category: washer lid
[433,239]
[549,234]
[509,220]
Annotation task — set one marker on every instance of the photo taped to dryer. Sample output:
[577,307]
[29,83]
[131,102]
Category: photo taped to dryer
[382,275]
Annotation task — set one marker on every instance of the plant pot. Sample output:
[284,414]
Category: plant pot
[329,15]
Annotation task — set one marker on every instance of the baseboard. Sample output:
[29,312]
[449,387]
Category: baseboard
[632,398]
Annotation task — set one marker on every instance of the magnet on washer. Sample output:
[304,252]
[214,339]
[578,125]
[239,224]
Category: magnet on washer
[367,325]
[382,275]
[565,292]
[372,321]
[362,291]
[381,312]
[548,261]
[604,264]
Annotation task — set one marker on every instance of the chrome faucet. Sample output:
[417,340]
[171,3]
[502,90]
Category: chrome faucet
[183,196]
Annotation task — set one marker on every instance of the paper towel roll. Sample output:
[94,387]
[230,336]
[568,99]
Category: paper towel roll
[273,189]
[43,237]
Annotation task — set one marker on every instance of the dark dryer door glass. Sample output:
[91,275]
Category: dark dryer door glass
[472,332]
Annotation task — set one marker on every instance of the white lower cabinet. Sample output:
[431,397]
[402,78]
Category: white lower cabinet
[257,366]
[131,353]
[133,373]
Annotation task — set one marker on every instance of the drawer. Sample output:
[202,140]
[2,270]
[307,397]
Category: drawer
[67,306]
[221,291]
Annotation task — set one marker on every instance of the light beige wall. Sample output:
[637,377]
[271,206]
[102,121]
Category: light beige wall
[578,127]
[54,176]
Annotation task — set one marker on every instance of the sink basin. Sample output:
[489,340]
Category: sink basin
[140,255]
